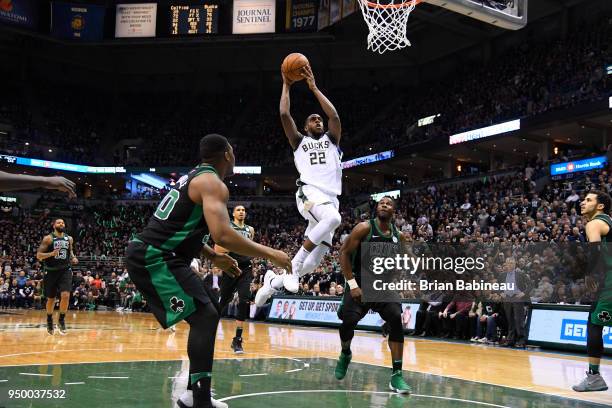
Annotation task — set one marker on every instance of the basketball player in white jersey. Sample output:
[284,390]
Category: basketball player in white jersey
[317,157]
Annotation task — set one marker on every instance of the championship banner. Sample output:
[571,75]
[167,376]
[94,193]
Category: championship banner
[301,15]
[324,311]
[348,7]
[335,12]
[77,21]
[254,16]
[136,20]
[323,15]
[19,12]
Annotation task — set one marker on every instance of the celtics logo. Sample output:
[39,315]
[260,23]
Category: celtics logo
[604,316]
[177,305]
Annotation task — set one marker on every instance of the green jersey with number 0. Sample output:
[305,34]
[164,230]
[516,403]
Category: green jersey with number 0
[178,223]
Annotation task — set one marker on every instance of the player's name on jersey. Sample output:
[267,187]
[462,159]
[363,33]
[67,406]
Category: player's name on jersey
[425,285]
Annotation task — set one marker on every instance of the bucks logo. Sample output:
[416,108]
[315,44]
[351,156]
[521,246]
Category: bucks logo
[604,316]
[177,305]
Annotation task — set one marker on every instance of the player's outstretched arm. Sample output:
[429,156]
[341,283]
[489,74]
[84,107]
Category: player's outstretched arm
[334,126]
[351,245]
[222,260]
[41,254]
[214,196]
[13,182]
[287,121]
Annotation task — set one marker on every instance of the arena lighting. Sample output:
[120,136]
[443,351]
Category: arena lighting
[485,132]
[609,69]
[578,166]
[393,193]
[428,120]
[372,158]
[79,168]
[150,179]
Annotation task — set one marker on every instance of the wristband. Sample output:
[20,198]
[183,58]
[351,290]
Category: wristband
[352,284]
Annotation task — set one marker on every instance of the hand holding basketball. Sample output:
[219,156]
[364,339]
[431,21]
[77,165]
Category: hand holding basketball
[309,77]
[286,80]
[292,67]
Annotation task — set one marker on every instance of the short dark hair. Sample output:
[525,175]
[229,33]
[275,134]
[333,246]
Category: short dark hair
[390,198]
[308,118]
[213,146]
[603,198]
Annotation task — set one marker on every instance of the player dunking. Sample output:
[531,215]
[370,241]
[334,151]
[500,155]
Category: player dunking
[596,206]
[317,157]
[56,253]
[352,309]
[158,259]
[240,284]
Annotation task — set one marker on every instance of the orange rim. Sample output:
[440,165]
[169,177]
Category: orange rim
[405,3]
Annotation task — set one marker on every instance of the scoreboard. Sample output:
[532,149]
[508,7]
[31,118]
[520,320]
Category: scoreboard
[194,19]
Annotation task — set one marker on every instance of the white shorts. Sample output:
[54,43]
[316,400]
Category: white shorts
[310,205]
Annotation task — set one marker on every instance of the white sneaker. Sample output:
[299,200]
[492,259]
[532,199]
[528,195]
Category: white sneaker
[266,291]
[291,281]
[218,404]
[186,401]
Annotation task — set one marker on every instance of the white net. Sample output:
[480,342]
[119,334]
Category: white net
[387,23]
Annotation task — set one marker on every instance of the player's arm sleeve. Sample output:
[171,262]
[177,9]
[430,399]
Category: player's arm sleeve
[350,245]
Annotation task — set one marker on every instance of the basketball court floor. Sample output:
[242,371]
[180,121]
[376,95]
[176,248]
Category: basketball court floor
[109,359]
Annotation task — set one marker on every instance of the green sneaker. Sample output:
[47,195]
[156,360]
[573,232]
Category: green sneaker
[398,384]
[342,365]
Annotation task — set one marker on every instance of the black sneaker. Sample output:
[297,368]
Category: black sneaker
[50,327]
[62,327]
[237,345]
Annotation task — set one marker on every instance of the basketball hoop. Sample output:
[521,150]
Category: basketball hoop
[386,22]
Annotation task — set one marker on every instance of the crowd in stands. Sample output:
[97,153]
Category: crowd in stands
[528,80]
[494,210]
[524,81]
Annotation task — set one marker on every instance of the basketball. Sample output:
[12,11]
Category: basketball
[292,66]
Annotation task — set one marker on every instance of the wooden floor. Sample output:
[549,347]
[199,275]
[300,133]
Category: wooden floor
[96,337]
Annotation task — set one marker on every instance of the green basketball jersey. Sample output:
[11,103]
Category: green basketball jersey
[602,315]
[245,232]
[390,246]
[178,223]
[62,260]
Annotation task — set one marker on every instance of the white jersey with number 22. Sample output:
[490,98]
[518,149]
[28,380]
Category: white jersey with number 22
[319,162]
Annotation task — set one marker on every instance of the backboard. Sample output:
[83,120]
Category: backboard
[509,14]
